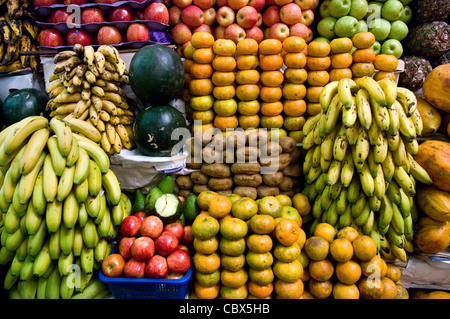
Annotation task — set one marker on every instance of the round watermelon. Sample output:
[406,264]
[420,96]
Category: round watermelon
[153,129]
[23,103]
[156,74]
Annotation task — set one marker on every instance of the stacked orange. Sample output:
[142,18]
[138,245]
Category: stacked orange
[223,78]
[385,64]
[294,90]
[341,58]
[318,64]
[364,55]
[247,78]
[200,84]
[188,61]
[271,81]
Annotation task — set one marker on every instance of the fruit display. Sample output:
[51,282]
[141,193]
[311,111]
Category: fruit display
[359,167]
[61,208]
[85,89]
[18,33]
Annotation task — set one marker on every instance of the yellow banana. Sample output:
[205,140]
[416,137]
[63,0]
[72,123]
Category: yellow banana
[104,142]
[122,131]
[66,238]
[63,135]
[94,178]
[349,114]
[81,167]
[54,247]
[77,242]
[379,183]
[50,180]
[81,107]
[99,60]
[380,149]
[38,199]
[418,172]
[82,191]
[407,99]
[328,143]
[310,123]
[82,215]
[372,86]
[380,114]
[65,183]
[74,153]
[340,144]
[389,88]
[22,131]
[347,169]
[406,126]
[89,235]
[97,154]
[89,57]
[333,113]
[58,160]
[345,88]
[28,181]
[32,220]
[404,181]
[53,215]
[363,108]
[327,94]
[352,133]
[70,210]
[416,119]
[361,149]
[367,182]
[112,187]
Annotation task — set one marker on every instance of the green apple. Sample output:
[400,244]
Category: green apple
[358,9]
[380,28]
[393,47]
[406,14]
[346,26]
[324,9]
[340,8]
[362,26]
[399,30]
[376,47]
[325,27]
[405,2]
[373,11]
[391,10]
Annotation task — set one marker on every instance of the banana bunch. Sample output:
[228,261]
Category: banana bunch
[18,33]
[61,207]
[86,85]
[359,167]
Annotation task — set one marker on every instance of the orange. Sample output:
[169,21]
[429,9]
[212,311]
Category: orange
[341,249]
[247,92]
[270,205]
[259,261]
[295,60]
[348,272]
[301,238]
[341,60]
[224,47]
[202,39]
[201,70]
[286,253]
[224,63]
[234,293]
[206,263]
[294,44]
[270,93]
[247,77]
[202,102]
[321,270]
[316,247]
[208,279]
[363,40]
[304,260]
[249,121]
[232,263]
[363,55]
[393,272]
[318,63]
[226,122]
[203,55]
[348,233]
[318,78]
[291,212]
[247,46]
[206,292]
[259,243]
[271,108]
[244,208]
[200,87]
[325,230]
[187,63]
[188,51]
[271,62]
[318,49]
[313,108]
[233,279]
[389,289]
[295,75]
[287,231]
[288,271]
[270,46]
[341,45]
[320,289]
[313,93]
[220,206]
[262,224]
[224,92]
[285,200]
[206,246]
[375,266]
[307,295]
[234,197]
[220,78]
[385,62]
[249,107]
[294,107]
[289,290]
[272,121]
[259,291]
[204,116]
[294,123]
[384,74]
[293,91]
[204,198]
[343,291]
[247,62]
[261,277]
[364,247]
[362,69]
[272,78]
[370,288]
[337,74]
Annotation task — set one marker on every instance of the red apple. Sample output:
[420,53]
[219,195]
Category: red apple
[290,13]
[166,243]
[210,19]
[176,228]
[204,4]
[138,32]
[247,17]
[181,33]
[188,237]
[182,3]
[157,12]
[140,215]
[307,17]
[219,32]
[122,13]
[237,4]
[125,246]
[257,4]
[79,36]
[174,15]
[113,265]
[143,248]
[50,38]
[271,15]
[234,32]
[156,267]
[77,2]
[225,16]
[255,33]
[59,16]
[92,15]
[130,225]
[203,27]
[108,35]
[192,16]
[134,269]
[41,3]
[152,226]
[179,261]
[106,1]
[301,30]
[279,31]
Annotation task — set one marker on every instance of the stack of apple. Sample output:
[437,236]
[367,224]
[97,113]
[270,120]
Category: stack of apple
[386,19]
[148,248]
[107,34]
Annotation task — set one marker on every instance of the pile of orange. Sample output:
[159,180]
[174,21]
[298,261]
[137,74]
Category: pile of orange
[385,65]
[341,58]
[345,265]
[363,55]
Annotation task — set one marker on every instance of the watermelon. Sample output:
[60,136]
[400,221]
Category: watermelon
[23,103]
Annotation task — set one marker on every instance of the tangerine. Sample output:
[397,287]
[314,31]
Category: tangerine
[389,288]
[259,243]
[375,266]
[247,92]
[249,107]
[293,91]
[363,40]
[325,230]
[294,44]
[206,246]
[344,291]
[370,288]
[337,74]
[201,70]
[341,45]
[203,55]
[249,121]
[393,272]
[386,62]
[247,46]
[233,279]
[206,292]
[271,62]
[286,253]
[262,223]
[259,261]
[270,205]
[223,63]
[341,249]
[247,62]
[347,232]
[364,247]
[364,55]
[297,76]
[208,280]
[204,198]
[222,78]
[318,63]
[272,78]
[202,39]
[295,60]
[320,289]
[288,290]
[271,108]
[205,227]
[224,47]
[318,49]
[288,271]
[234,293]
[317,247]
[270,46]
[206,263]
[233,263]
[348,272]
[225,92]
[270,93]
[294,107]
[260,291]
[201,87]
[226,122]
[244,208]
[318,78]
[225,107]
[341,60]
[261,277]
[321,270]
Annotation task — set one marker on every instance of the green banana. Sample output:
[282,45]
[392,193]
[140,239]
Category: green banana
[52,290]
[54,246]
[90,235]
[50,180]
[27,289]
[354,189]
[87,260]
[12,220]
[77,242]
[395,238]
[41,287]
[367,182]
[14,240]
[358,206]
[53,215]
[42,262]
[66,288]
[65,183]
[38,199]
[58,160]
[66,238]
[82,215]
[94,178]
[81,167]
[118,213]
[70,210]
[379,184]
[33,220]
[346,218]
[65,263]
[100,250]
[404,181]
[36,241]
[26,271]
[16,265]
[81,191]
[397,220]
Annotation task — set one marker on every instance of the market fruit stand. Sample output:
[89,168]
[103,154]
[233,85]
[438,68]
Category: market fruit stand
[225,149]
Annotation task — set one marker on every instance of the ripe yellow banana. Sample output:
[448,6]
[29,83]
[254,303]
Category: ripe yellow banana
[96,153]
[112,187]
[407,99]
[389,88]
[82,190]
[63,135]
[65,183]
[345,88]
[327,94]
[70,210]
[363,108]
[58,160]
[374,89]
[27,182]
[49,179]
[22,131]
[84,128]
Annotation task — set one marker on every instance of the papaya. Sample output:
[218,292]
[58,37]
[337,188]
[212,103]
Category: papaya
[435,203]
[432,236]
[431,117]
[436,87]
